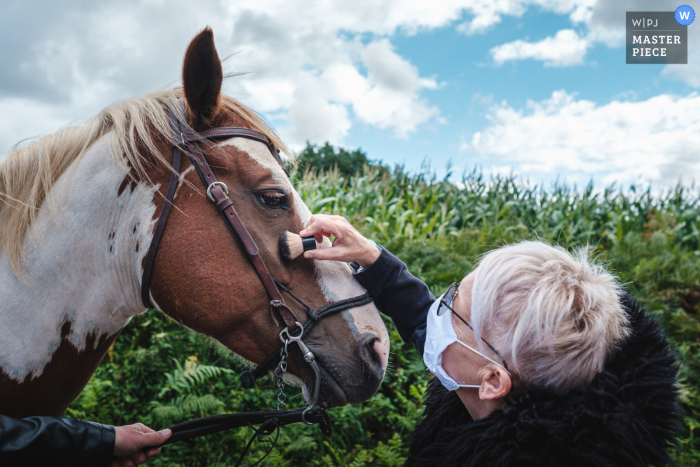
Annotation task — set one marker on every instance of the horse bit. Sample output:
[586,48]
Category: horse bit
[294,332]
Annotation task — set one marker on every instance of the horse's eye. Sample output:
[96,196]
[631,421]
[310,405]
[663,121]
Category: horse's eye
[273,199]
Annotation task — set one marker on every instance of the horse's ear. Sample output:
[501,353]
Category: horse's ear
[202,77]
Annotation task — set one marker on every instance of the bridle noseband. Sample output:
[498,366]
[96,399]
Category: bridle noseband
[294,332]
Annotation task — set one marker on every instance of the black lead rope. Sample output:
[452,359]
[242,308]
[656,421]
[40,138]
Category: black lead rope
[269,421]
[264,430]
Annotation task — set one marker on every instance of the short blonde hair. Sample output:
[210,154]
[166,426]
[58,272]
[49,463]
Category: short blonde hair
[555,316]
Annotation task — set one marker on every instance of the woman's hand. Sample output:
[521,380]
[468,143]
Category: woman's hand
[131,439]
[349,244]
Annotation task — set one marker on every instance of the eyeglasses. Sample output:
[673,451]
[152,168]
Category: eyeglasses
[446,304]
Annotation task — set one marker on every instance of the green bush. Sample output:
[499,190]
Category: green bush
[159,373]
[325,158]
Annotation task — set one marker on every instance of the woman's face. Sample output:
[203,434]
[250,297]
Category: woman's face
[459,362]
[467,367]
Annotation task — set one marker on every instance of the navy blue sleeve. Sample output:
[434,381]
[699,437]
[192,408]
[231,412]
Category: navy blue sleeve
[399,295]
[55,441]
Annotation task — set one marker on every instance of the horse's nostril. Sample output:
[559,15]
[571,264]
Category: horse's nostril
[372,350]
[368,351]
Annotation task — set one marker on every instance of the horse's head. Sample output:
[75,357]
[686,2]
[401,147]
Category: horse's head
[203,279]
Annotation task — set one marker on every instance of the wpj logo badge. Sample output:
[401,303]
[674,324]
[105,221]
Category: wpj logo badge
[684,15]
[658,36]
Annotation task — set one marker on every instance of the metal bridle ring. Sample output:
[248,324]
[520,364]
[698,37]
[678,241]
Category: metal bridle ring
[303,415]
[223,187]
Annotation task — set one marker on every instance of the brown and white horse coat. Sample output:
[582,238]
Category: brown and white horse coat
[75,283]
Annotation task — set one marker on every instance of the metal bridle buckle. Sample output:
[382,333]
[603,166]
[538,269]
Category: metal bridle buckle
[285,336]
[223,187]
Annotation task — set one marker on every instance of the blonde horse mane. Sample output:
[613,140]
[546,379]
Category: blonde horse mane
[27,174]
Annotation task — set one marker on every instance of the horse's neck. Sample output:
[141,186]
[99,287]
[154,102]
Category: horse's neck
[82,266]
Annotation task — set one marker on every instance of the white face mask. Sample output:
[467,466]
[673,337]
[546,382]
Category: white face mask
[440,334]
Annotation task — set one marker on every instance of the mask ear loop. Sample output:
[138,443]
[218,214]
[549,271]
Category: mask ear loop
[487,358]
[459,339]
[476,386]
[463,334]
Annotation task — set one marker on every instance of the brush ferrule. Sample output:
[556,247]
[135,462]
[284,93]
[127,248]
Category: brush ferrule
[309,243]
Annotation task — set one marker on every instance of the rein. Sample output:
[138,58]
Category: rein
[293,333]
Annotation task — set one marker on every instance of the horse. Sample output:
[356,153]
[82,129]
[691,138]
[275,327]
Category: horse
[78,210]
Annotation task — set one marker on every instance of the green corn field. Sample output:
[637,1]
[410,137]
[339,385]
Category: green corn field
[160,373]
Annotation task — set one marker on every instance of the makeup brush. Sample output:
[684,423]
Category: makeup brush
[293,245]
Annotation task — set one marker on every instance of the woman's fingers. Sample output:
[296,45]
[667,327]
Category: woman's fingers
[152,452]
[139,458]
[309,229]
[337,253]
[326,225]
[129,440]
[349,245]
[322,234]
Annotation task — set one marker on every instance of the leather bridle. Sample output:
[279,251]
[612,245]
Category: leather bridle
[294,332]
[217,192]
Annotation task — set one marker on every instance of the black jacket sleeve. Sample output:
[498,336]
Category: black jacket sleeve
[54,441]
[399,295]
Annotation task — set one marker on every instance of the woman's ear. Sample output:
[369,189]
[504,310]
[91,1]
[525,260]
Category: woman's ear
[495,382]
[201,78]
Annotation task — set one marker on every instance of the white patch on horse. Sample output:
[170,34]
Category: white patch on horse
[260,154]
[334,278]
[70,274]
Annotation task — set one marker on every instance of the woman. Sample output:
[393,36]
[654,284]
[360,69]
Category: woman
[540,358]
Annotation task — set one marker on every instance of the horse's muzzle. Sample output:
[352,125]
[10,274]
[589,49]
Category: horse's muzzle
[350,379]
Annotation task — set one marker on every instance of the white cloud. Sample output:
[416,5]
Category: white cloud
[295,56]
[56,54]
[656,140]
[689,73]
[312,117]
[391,95]
[18,120]
[389,70]
[564,49]
[604,22]
[387,97]
[487,13]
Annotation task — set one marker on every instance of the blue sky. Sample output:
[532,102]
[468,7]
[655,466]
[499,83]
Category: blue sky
[539,88]
[471,82]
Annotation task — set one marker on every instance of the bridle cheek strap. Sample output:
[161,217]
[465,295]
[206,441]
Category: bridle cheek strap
[218,194]
[160,228]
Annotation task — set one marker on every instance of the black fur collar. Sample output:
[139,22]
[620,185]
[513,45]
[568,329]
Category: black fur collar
[625,417]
